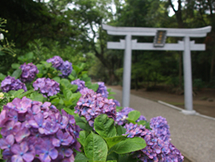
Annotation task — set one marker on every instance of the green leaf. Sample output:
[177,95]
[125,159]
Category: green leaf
[82,137]
[142,122]
[133,115]
[73,87]
[112,161]
[104,126]
[114,140]
[69,111]
[17,73]
[110,97]
[71,77]
[96,148]
[18,93]
[57,79]
[15,66]
[82,123]
[80,157]
[29,56]
[120,130]
[55,101]
[126,157]
[27,93]
[94,87]
[37,97]
[129,145]
[2,76]
[118,108]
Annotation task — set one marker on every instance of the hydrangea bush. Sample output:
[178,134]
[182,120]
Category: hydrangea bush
[29,72]
[34,130]
[46,86]
[10,83]
[91,105]
[121,116]
[79,83]
[102,89]
[64,66]
[42,124]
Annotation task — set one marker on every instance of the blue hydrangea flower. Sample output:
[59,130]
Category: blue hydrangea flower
[161,128]
[47,87]
[66,69]
[156,149]
[90,105]
[10,83]
[116,102]
[79,83]
[29,72]
[64,66]
[37,132]
[102,89]
[56,61]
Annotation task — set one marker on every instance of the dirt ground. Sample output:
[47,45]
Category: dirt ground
[203,100]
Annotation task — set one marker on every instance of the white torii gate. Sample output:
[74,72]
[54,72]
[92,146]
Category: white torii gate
[186,45]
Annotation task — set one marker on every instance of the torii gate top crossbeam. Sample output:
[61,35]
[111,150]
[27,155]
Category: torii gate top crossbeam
[141,31]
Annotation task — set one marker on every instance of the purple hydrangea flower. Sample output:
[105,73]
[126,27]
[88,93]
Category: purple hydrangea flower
[90,105]
[116,102]
[66,69]
[56,61]
[29,72]
[161,128]
[64,66]
[79,83]
[21,152]
[36,131]
[47,87]
[10,83]
[122,115]
[156,149]
[102,89]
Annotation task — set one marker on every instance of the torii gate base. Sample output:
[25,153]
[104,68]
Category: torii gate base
[186,46]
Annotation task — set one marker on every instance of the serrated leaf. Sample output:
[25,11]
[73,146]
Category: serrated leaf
[111,141]
[82,123]
[55,101]
[96,148]
[17,73]
[133,115]
[120,130]
[80,157]
[69,111]
[37,97]
[27,93]
[18,93]
[104,126]
[129,145]
[82,137]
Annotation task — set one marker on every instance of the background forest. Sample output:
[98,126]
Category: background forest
[38,29]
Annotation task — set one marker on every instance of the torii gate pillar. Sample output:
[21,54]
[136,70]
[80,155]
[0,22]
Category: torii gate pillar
[186,46]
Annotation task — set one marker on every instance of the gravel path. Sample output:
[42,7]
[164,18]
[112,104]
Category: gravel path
[193,135]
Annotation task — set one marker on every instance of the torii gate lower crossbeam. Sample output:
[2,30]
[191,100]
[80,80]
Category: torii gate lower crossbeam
[186,46]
